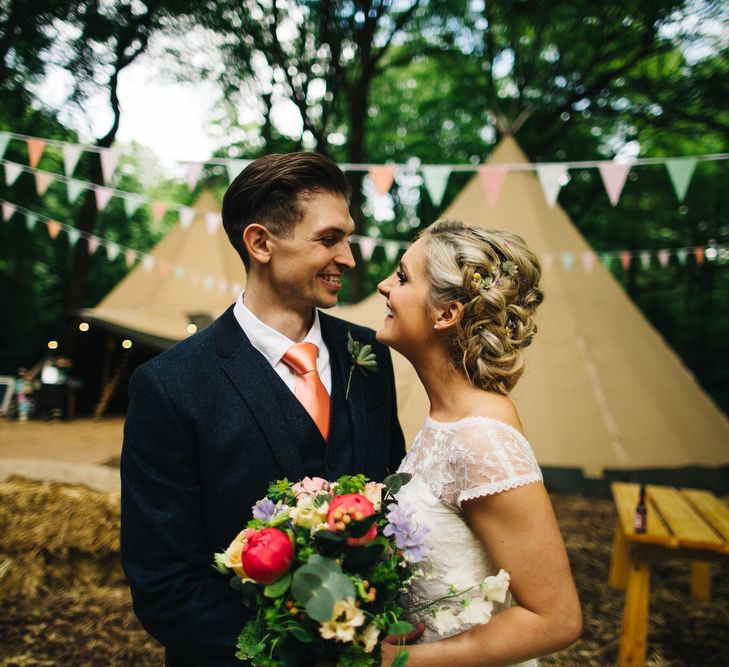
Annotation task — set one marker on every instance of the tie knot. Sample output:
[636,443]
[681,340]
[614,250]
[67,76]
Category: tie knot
[301,357]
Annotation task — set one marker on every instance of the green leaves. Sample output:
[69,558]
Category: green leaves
[279,587]
[318,585]
[393,483]
[401,659]
[362,357]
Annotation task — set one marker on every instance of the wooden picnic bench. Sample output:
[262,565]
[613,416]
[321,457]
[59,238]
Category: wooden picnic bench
[682,523]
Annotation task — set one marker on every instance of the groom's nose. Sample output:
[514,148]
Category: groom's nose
[345,257]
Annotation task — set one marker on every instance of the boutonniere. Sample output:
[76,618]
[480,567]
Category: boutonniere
[360,356]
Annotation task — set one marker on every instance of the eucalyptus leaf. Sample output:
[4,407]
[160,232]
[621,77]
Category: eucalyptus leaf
[318,585]
[399,628]
[278,588]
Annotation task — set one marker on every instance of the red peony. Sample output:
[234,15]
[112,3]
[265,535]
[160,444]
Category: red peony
[351,506]
[267,555]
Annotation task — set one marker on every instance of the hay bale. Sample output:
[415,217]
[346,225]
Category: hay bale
[22,575]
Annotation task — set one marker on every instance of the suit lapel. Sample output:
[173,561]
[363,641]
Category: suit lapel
[256,382]
[335,336]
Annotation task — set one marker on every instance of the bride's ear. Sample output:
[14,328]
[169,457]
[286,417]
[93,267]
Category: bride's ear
[448,316]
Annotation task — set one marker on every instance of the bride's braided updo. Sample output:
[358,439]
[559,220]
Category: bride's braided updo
[496,277]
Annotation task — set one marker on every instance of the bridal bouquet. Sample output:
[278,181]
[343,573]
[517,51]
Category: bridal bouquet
[321,565]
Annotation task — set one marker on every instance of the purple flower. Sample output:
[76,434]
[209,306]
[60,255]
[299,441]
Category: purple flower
[266,509]
[409,536]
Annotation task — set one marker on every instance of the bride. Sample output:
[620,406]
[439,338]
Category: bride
[460,308]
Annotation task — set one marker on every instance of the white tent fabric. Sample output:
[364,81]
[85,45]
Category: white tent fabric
[602,389]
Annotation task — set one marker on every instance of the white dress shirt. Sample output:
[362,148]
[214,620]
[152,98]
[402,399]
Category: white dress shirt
[273,345]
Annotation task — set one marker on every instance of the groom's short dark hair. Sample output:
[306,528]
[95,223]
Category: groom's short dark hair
[268,192]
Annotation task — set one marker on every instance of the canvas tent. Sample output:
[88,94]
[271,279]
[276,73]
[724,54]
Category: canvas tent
[602,392]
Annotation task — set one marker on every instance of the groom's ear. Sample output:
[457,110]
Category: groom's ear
[449,315]
[257,241]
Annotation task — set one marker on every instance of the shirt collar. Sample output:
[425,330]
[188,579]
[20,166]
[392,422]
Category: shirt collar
[270,343]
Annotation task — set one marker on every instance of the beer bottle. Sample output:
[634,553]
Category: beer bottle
[641,511]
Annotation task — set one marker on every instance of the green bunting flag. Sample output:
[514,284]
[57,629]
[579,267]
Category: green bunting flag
[30,220]
[131,204]
[4,141]
[680,170]
[74,188]
[436,179]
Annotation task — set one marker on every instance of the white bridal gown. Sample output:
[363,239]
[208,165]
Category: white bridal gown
[450,463]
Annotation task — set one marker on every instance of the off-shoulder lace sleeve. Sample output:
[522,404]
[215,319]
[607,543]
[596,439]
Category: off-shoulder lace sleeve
[486,457]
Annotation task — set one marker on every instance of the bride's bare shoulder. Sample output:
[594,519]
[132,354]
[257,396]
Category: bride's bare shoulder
[500,407]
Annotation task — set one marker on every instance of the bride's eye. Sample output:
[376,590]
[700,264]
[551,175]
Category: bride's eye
[400,277]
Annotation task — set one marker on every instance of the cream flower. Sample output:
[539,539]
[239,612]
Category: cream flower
[373,492]
[345,618]
[232,556]
[477,612]
[445,621]
[368,637]
[495,588]
[307,514]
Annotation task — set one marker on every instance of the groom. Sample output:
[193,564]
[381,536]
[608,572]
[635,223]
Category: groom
[259,395]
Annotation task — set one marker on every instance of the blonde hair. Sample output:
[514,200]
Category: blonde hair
[496,277]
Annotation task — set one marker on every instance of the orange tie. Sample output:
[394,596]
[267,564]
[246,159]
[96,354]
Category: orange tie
[301,358]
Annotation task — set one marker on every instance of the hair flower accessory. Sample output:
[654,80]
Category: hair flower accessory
[509,268]
[483,283]
[360,356]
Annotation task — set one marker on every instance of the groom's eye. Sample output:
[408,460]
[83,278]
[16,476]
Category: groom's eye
[330,241]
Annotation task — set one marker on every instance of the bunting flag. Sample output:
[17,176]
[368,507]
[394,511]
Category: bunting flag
[163,266]
[73,236]
[208,282]
[568,259]
[131,204]
[30,220]
[35,150]
[43,179]
[213,220]
[552,177]
[54,227]
[625,258]
[187,215]
[234,167]
[12,171]
[159,208]
[607,260]
[180,272]
[663,257]
[588,261]
[112,250]
[74,188]
[194,278]
[93,244]
[109,158]
[436,180]
[148,263]
[392,250]
[682,255]
[613,177]
[129,257]
[4,141]
[382,176]
[194,170]
[71,155]
[680,171]
[492,178]
[699,254]
[366,247]
[8,210]
[222,285]
[645,259]
[103,195]
[547,261]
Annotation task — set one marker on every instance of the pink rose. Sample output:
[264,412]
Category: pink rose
[267,555]
[311,485]
[343,509]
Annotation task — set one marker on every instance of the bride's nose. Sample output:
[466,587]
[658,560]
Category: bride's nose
[384,287]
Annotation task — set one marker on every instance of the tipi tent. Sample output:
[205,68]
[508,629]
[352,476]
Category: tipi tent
[602,390]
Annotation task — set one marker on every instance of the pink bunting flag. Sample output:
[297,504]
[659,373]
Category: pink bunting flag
[195,278]
[699,254]
[492,178]
[625,258]
[109,159]
[35,150]
[93,244]
[42,180]
[382,175]
[613,177]
[129,257]
[54,227]
[164,267]
[547,260]
[588,261]
[366,247]
[663,258]
[222,285]
[159,208]
[194,170]
[8,210]
[103,195]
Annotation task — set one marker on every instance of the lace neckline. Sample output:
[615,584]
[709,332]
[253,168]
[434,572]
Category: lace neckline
[473,419]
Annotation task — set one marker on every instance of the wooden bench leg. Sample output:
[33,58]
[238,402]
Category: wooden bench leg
[619,560]
[701,581]
[634,634]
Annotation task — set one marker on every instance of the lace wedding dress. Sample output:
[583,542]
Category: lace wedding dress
[450,463]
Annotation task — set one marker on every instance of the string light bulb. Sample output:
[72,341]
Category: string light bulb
[126,343]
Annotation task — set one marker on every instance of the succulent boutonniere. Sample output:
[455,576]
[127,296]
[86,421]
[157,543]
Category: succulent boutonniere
[360,356]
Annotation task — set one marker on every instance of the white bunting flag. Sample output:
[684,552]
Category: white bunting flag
[94,243]
[112,250]
[212,221]
[8,210]
[613,176]
[148,263]
[234,167]
[103,195]
[4,141]
[73,236]
[436,180]
[109,159]
[43,179]
[12,171]
[236,289]
[392,250]
[208,282]
[74,188]
[194,169]
[187,215]
[71,155]
[30,220]
[552,177]
[366,247]
[131,204]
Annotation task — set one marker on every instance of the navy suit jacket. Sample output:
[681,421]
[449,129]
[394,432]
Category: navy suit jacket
[210,425]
